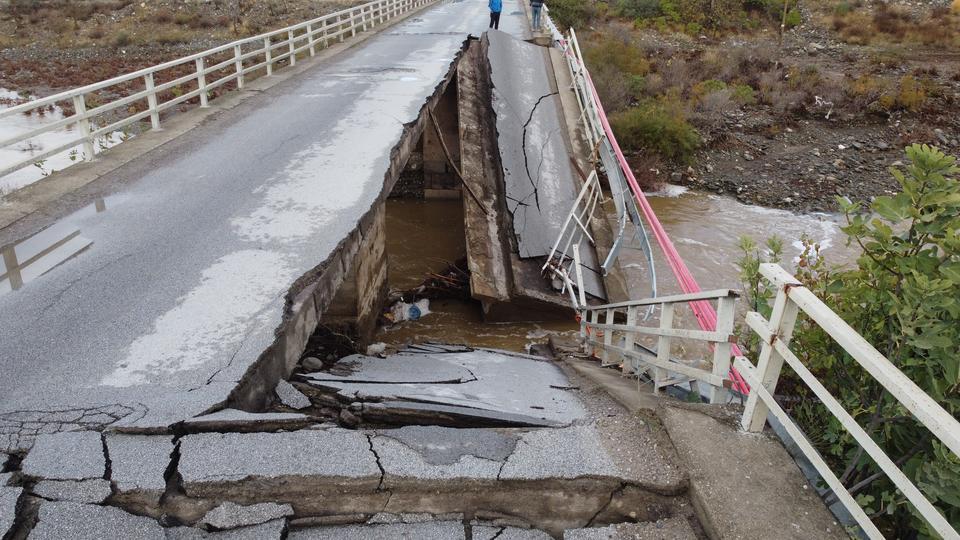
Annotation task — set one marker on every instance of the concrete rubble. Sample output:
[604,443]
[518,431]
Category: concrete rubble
[9,497]
[231,516]
[290,396]
[66,456]
[93,491]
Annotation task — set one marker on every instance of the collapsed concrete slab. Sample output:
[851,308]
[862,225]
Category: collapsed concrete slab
[485,382]
[59,520]
[9,497]
[541,182]
[138,467]
[74,455]
[93,491]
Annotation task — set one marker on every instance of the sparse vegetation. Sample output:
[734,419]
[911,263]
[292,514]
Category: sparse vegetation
[901,296]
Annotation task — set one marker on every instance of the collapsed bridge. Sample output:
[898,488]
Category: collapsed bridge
[156,307]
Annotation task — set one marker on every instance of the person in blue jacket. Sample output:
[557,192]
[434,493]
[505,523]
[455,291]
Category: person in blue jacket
[537,6]
[495,7]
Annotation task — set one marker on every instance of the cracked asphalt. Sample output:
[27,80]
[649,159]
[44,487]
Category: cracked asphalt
[182,281]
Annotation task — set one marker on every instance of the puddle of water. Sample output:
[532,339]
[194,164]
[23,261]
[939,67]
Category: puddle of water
[422,237]
[29,259]
[9,155]
[460,322]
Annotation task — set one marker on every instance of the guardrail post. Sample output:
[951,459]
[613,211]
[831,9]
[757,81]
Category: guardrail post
[202,83]
[380,8]
[663,345]
[238,61]
[607,339]
[726,311]
[363,17]
[783,318]
[311,41]
[353,23]
[266,48]
[291,48]
[152,101]
[13,267]
[629,339]
[80,109]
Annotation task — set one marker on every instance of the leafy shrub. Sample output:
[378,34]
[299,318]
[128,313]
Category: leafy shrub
[793,18]
[744,94]
[708,86]
[902,297]
[912,95]
[638,9]
[657,127]
[572,13]
[616,51]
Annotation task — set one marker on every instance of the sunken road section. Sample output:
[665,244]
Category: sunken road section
[264,475]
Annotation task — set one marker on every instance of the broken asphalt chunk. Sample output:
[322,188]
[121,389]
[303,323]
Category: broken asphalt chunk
[138,465]
[231,516]
[93,491]
[290,396]
[76,455]
[59,520]
[8,508]
[448,530]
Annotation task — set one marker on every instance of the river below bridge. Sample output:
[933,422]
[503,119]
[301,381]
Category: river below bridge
[424,236]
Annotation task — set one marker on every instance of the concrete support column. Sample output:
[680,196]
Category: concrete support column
[437,172]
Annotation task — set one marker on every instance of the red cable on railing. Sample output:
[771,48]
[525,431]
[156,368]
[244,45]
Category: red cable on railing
[703,311]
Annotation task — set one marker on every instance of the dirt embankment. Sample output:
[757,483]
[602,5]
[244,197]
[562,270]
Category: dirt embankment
[792,125]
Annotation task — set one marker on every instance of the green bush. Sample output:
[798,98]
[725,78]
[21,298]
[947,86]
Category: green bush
[793,18]
[744,94]
[708,86]
[638,9]
[902,296]
[572,13]
[657,127]
[608,50]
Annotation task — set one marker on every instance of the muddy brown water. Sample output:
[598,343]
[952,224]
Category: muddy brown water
[423,236]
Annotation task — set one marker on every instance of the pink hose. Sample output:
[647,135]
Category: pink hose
[702,309]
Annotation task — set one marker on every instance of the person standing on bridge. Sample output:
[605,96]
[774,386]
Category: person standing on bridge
[537,6]
[496,6]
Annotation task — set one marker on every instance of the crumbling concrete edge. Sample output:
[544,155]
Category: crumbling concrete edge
[311,294]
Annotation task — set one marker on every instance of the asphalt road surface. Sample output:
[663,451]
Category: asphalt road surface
[174,284]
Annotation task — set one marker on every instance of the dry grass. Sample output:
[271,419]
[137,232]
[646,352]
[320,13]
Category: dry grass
[886,24]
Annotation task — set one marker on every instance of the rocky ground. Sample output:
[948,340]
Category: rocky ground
[801,152]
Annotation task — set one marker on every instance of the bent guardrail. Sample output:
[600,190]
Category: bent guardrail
[206,71]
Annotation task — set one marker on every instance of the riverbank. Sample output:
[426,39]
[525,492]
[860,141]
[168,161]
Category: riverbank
[729,109]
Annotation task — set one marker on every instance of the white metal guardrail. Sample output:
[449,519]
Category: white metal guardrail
[617,341]
[602,151]
[206,71]
[775,334]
